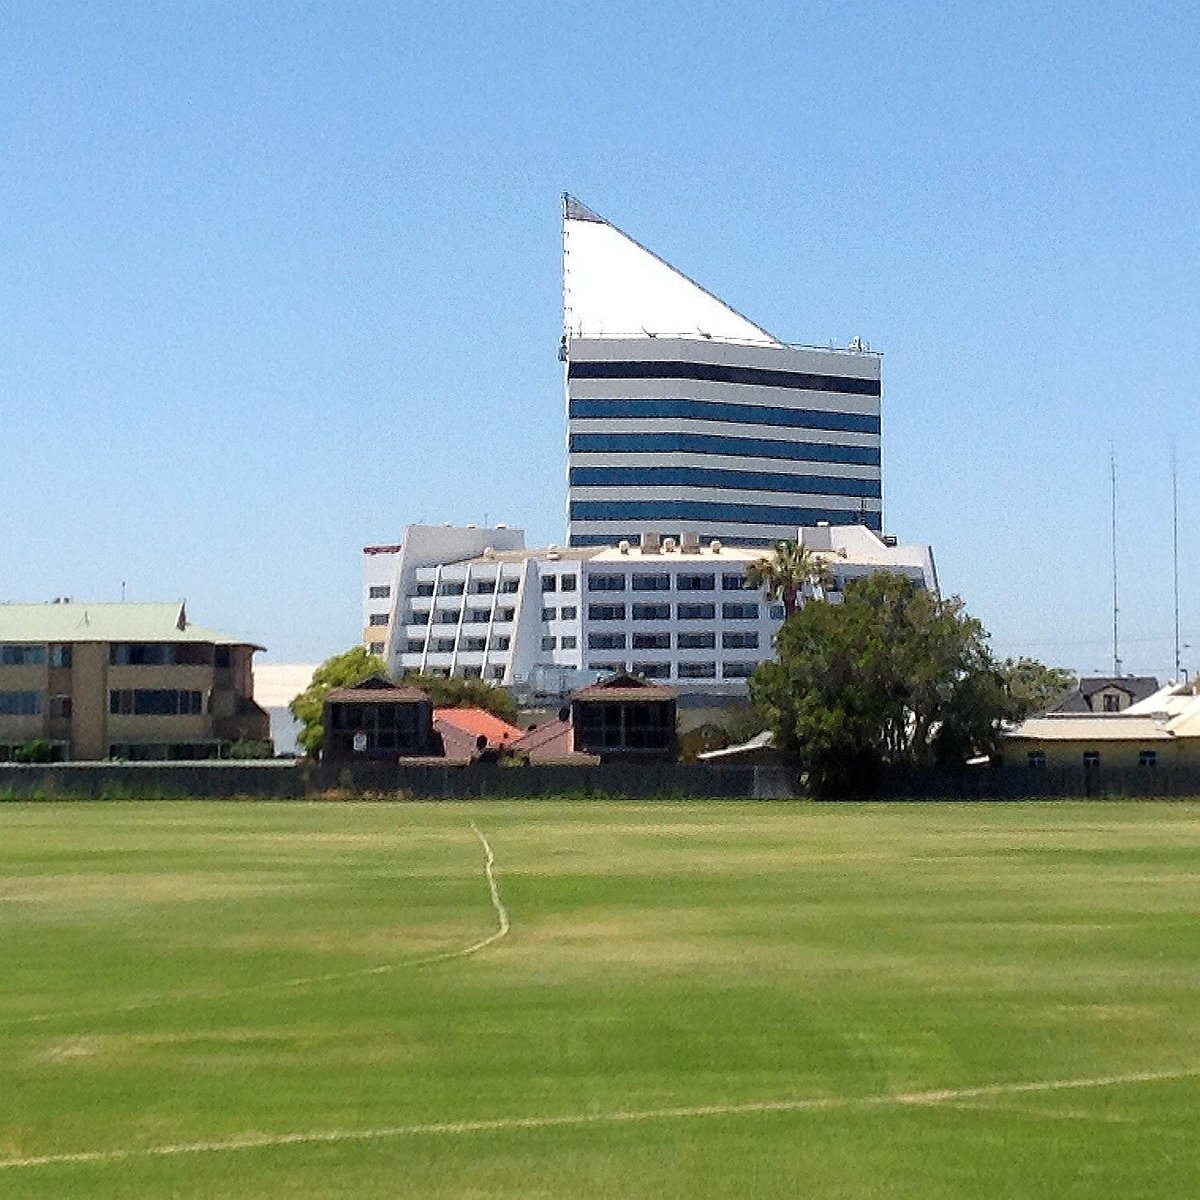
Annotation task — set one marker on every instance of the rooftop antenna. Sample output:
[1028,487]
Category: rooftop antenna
[1175,553]
[1112,471]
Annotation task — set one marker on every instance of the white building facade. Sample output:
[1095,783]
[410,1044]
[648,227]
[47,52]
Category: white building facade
[685,417]
[477,603]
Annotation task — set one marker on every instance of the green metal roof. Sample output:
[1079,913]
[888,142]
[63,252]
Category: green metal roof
[75,621]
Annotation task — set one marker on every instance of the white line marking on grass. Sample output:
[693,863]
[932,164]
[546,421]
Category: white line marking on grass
[266,1141]
[502,929]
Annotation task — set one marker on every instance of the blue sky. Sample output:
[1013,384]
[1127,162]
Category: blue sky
[278,278]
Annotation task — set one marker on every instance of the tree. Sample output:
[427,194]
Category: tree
[457,692]
[891,676]
[342,670]
[786,573]
[1032,686]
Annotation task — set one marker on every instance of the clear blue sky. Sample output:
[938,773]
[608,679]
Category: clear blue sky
[278,278]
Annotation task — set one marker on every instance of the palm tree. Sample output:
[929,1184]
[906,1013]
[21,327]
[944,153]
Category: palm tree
[786,573]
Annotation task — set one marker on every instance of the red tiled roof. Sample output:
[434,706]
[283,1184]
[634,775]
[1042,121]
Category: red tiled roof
[477,722]
[551,742]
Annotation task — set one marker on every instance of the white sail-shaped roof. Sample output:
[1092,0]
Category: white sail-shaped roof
[615,287]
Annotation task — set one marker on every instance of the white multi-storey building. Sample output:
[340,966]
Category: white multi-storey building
[686,417]
[477,603]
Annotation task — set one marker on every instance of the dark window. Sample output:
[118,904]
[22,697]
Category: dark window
[447,616]
[483,587]
[606,612]
[549,614]
[22,656]
[696,583]
[1148,758]
[420,618]
[652,641]
[472,672]
[501,643]
[739,640]
[414,645]
[606,641]
[162,654]
[549,583]
[737,670]
[155,702]
[1037,760]
[478,616]
[739,612]
[697,612]
[651,583]
[568,643]
[20,704]
[424,589]
[568,612]
[733,583]
[651,612]
[549,643]
[1091,758]
[1112,703]
[60,708]
[375,648]
[60,656]
[378,619]
[505,614]
[606,583]
[223,658]
[777,612]
[567,583]
[659,670]
[475,644]
[379,592]
[444,645]
[508,587]
[450,587]
[697,670]
[696,641]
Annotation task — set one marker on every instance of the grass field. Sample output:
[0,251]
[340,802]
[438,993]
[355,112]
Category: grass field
[694,1000]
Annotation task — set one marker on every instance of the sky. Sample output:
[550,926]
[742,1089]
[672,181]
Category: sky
[278,278]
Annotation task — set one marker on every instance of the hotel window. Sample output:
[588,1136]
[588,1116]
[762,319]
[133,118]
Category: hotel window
[155,702]
[652,670]
[375,648]
[483,587]
[549,614]
[569,643]
[567,583]
[60,656]
[472,672]
[696,641]
[475,644]
[501,643]
[450,587]
[414,645]
[697,670]
[447,616]
[549,583]
[652,641]
[696,583]
[568,612]
[479,616]
[739,612]
[733,639]
[607,667]
[1037,760]
[444,645]
[606,612]
[606,583]
[20,704]
[696,612]
[505,614]
[606,641]
[737,670]
[733,583]
[377,619]
[549,643]
[1148,758]
[423,589]
[379,592]
[651,612]
[508,587]
[497,673]
[777,612]
[22,656]
[420,618]
[651,583]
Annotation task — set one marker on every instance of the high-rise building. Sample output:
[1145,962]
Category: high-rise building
[686,417]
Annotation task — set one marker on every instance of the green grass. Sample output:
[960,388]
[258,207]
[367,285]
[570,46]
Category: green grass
[661,956]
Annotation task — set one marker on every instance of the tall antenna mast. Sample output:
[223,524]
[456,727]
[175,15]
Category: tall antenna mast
[1112,470]
[1175,553]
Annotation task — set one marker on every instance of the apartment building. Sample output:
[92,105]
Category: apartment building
[677,611]
[684,417]
[134,681]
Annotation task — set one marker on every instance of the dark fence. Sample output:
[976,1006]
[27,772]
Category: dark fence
[1019,782]
[297,780]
